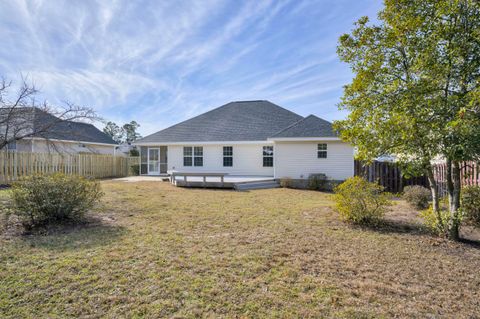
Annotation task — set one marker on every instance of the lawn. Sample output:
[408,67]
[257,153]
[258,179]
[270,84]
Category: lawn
[154,250]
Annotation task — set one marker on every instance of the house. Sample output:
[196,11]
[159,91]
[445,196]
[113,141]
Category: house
[47,133]
[254,138]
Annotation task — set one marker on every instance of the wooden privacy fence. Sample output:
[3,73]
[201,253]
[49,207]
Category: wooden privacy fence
[15,165]
[389,175]
[469,175]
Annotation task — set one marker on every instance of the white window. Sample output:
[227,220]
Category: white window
[322,151]
[187,156]
[193,156]
[228,156]
[268,156]
[198,156]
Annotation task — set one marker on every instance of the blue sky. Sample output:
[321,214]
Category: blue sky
[160,62]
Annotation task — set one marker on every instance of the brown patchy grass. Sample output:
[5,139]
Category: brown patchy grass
[159,251]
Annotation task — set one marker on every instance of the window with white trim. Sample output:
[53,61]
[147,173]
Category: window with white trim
[322,150]
[198,156]
[228,156]
[268,156]
[193,156]
[187,156]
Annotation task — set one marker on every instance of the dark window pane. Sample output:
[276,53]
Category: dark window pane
[228,161]
[187,151]
[322,154]
[268,162]
[198,161]
[322,147]
[227,151]
[187,161]
[198,150]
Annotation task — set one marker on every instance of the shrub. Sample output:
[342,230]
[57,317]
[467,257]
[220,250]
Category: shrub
[471,204]
[417,196]
[135,169]
[432,222]
[360,201]
[317,182]
[42,199]
[286,182]
[134,152]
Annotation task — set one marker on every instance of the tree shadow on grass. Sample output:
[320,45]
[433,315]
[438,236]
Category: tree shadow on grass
[87,234]
[388,226]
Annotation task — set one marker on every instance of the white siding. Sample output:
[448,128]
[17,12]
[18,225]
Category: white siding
[299,160]
[247,159]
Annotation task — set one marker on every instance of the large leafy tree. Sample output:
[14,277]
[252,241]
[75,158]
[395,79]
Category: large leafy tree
[114,131]
[131,134]
[416,88]
[124,134]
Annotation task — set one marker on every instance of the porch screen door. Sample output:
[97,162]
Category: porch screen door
[153,161]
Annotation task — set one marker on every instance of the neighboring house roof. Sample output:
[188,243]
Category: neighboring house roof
[68,130]
[45,125]
[310,126]
[235,121]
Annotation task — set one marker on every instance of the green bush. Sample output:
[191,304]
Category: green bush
[436,223]
[317,182]
[417,196]
[135,169]
[471,204]
[359,201]
[134,152]
[42,199]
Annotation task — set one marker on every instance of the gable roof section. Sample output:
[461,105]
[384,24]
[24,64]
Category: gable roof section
[235,121]
[310,126]
[68,130]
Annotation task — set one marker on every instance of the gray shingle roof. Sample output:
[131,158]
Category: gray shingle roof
[32,120]
[68,130]
[235,121]
[310,126]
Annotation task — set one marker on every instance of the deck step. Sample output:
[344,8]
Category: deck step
[256,185]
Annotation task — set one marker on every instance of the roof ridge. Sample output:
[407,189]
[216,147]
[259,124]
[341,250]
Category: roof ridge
[309,124]
[313,115]
[249,101]
[291,125]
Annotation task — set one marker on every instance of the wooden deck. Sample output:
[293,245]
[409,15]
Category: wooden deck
[229,181]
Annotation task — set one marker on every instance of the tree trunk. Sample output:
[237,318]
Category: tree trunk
[455,203]
[453,188]
[435,198]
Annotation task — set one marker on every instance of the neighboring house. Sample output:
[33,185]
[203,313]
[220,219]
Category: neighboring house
[255,138]
[50,134]
[126,149]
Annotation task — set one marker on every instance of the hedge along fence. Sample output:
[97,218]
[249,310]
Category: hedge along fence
[15,165]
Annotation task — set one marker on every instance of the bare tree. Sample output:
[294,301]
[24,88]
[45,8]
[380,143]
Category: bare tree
[22,116]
